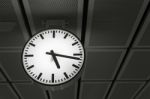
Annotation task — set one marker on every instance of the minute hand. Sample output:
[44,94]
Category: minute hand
[66,56]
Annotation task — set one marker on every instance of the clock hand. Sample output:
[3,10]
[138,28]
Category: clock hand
[66,56]
[55,59]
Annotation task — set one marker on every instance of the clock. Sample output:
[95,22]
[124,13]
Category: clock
[53,57]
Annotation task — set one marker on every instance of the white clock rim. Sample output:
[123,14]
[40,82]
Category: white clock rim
[63,83]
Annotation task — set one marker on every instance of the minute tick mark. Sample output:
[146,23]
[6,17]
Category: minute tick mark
[32,44]
[53,34]
[30,55]
[39,76]
[74,43]
[66,75]
[41,36]
[30,67]
[65,36]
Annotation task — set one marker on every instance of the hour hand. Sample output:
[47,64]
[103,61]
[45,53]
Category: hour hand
[65,56]
[55,59]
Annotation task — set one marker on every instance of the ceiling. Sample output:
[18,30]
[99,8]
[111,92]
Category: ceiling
[115,34]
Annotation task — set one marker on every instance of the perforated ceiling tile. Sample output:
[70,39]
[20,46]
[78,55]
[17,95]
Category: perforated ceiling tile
[1,77]
[124,90]
[93,90]
[66,93]
[13,38]
[10,31]
[30,91]
[137,66]
[11,63]
[102,64]
[7,26]
[53,14]
[145,94]
[112,21]
[6,92]
[7,11]
[145,38]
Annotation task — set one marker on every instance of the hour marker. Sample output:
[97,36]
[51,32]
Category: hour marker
[39,76]
[32,44]
[30,67]
[53,34]
[28,55]
[66,75]
[75,66]
[65,36]
[41,36]
[74,43]
[77,54]
[52,77]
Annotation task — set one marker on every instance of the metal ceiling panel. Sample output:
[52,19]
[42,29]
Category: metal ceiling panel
[2,77]
[11,63]
[111,23]
[65,93]
[11,35]
[143,39]
[137,66]
[145,94]
[6,92]
[102,64]
[93,90]
[30,91]
[125,90]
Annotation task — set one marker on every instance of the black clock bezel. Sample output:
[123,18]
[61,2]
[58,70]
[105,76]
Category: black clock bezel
[68,82]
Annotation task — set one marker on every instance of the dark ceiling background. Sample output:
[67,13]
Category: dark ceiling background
[116,36]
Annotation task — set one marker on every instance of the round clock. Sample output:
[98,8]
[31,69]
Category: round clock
[53,57]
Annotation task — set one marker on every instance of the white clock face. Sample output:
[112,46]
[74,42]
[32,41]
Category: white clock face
[53,57]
